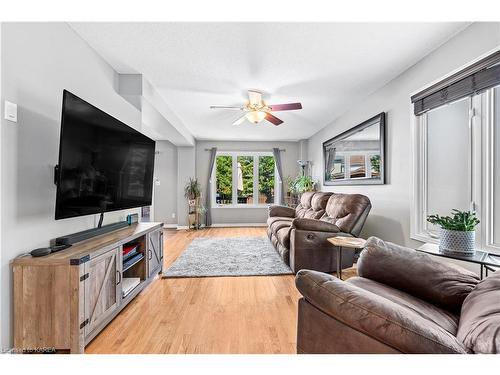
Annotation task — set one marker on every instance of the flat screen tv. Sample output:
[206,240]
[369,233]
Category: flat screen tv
[104,165]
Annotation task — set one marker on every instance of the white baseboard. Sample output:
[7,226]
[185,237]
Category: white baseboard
[219,225]
[170,226]
[231,225]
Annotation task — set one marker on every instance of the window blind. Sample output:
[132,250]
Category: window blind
[477,77]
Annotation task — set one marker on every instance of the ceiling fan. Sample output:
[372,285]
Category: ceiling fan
[257,110]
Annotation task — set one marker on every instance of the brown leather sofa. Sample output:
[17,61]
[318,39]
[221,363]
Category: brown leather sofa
[403,301]
[300,234]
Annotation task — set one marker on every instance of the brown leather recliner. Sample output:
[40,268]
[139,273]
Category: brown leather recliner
[300,234]
[403,301]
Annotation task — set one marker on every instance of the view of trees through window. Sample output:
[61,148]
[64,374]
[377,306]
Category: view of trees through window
[224,174]
[266,179]
[246,181]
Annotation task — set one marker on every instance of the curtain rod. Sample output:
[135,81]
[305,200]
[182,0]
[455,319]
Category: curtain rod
[209,149]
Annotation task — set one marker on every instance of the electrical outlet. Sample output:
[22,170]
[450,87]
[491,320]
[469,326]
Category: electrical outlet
[10,111]
[173,215]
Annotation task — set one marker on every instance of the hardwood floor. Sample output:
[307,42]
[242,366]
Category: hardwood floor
[206,315]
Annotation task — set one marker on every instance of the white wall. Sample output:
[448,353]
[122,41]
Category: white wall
[390,215]
[39,60]
[243,215]
[165,194]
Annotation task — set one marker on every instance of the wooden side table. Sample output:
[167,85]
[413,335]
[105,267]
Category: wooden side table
[339,243]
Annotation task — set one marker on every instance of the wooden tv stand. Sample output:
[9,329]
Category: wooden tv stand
[63,300]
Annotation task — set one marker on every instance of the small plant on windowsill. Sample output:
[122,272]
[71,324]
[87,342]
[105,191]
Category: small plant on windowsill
[457,234]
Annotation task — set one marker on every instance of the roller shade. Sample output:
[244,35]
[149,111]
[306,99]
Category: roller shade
[477,77]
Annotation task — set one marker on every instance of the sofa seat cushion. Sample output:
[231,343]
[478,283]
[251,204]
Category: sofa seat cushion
[283,236]
[433,314]
[271,220]
[479,327]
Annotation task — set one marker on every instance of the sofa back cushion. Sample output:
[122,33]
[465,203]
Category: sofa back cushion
[421,275]
[312,205]
[479,326]
[347,211]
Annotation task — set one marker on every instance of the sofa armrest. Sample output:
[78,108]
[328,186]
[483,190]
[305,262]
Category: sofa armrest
[281,211]
[374,315]
[314,225]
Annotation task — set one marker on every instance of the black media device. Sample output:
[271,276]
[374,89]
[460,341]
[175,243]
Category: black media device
[42,251]
[104,165]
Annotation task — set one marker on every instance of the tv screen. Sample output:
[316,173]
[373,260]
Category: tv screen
[104,165]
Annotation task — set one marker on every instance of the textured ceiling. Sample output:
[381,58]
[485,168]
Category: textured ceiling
[326,66]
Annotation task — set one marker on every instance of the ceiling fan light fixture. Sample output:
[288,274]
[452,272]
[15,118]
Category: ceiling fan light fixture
[255,116]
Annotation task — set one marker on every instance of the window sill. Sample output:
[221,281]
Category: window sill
[424,238]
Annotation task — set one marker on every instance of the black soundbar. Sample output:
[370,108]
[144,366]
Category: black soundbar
[71,239]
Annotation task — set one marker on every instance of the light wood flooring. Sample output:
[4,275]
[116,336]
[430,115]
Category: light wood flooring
[206,315]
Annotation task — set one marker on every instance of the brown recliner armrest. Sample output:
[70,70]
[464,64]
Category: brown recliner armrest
[314,225]
[281,211]
[374,315]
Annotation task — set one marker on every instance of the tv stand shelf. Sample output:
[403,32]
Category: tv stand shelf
[63,300]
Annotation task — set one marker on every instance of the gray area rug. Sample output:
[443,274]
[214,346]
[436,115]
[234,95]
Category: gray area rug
[226,256]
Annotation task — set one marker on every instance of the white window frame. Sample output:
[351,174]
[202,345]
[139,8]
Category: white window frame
[347,163]
[488,168]
[480,165]
[255,204]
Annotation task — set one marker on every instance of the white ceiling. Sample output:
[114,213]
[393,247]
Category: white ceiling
[326,66]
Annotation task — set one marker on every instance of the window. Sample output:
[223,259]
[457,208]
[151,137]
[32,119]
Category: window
[244,179]
[266,179]
[457,165]
[224,173]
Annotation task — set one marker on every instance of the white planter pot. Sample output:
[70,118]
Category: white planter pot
[457,242]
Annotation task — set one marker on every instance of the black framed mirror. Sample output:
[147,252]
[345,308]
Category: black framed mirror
[357,156]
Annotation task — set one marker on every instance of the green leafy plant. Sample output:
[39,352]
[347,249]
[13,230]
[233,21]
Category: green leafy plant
[464,221]
[192,190]
[300,184]
[375,162]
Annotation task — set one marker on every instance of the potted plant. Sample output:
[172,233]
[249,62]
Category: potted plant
[303,183]
[457,233]
[192,192]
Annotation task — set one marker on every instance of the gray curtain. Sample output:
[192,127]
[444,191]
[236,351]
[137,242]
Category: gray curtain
[277,159]
[329,163]
[208,203]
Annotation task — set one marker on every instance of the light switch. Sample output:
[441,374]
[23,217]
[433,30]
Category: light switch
[10,111]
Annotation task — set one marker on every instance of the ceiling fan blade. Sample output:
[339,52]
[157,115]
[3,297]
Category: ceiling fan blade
[273,119]
[254,97]
[240,120]
[226,107]
[285,107]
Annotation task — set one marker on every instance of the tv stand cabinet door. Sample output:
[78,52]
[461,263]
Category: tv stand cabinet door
[102,294]
[155,252]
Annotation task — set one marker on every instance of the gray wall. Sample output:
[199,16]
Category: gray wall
[243,215]
[390,215]
[39,60]
[165,188]
[186,168]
